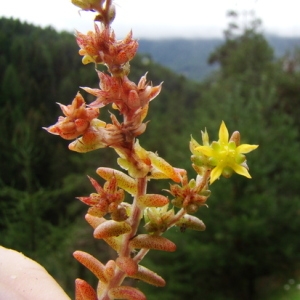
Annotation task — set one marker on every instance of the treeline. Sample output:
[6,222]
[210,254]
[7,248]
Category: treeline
[251,243]
[189,56]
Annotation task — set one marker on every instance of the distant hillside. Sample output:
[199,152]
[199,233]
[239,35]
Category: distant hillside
[189,56]
[185,56]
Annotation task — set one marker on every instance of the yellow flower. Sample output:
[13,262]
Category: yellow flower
[226,156]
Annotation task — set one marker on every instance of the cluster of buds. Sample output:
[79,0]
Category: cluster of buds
[130,99]
[124,94]
[77,120]
[113,219]
[107,200]
[101,47]
[191,195]
[160,219]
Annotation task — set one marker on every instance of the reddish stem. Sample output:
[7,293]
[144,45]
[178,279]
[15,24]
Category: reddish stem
[134,221]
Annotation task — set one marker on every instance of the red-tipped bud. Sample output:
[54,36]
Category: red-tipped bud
[236,138]
[133,100]
[126,293]
[93,220]
[84,291]
[93,264]
[149,277]
[76,121]
[152,200]
[111,228]
[152,242]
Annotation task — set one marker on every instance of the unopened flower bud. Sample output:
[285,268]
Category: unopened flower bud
[212,161]
[149,276]
[152,200]
[152,242]
[126,292]
[236,138]
[240,158]
[119,214]
[111,13]
[151,227]
[199,160]
[84,289]
[93,264]
[205,193]
[227,172]
[177,202]
[111,228]
[192,222]
[192,208]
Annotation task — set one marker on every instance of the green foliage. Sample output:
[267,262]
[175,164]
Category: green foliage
[252,226]
[243,52]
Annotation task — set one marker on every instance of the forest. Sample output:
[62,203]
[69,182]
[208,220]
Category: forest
[250,248]
[189,56]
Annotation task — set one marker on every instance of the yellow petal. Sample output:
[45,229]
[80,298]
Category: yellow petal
[240,170]
[215,173]
[87,59]
[193,145]
[206,150]
[205,138]
[223,134]
[246,148]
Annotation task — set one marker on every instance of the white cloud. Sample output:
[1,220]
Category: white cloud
[160,18]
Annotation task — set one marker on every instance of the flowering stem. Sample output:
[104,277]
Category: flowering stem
[134,221]
[177,217]
[105,15]
[90,133]
[143,252]
[204,179]
[135,217]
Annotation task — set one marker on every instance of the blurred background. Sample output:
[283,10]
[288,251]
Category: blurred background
[243,68]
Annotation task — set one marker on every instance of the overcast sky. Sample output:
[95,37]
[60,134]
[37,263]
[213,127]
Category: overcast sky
[161,18]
